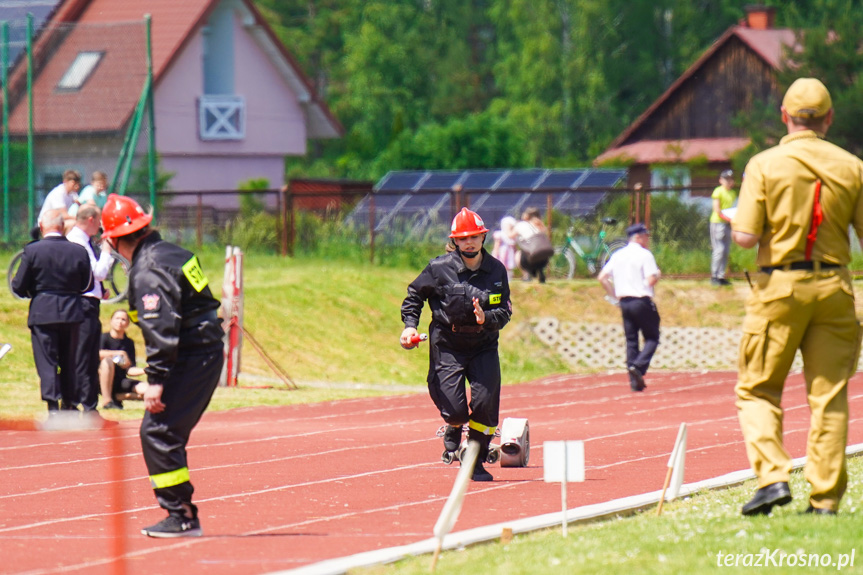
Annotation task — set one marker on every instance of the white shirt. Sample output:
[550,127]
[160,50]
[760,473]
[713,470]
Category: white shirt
[629,268]
[100,267]
[525,230]
[58,199]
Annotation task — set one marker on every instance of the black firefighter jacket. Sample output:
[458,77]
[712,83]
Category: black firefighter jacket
[449,287]
[170,300]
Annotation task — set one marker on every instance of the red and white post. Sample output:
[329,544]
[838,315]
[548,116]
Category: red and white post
[232,315]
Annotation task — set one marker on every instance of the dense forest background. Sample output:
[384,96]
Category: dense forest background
[448,84]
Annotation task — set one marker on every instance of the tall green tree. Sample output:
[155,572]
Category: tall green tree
[830,33]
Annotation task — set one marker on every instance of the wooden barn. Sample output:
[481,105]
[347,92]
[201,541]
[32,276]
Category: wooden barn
[686,137]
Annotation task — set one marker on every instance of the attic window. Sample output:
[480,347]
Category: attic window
[81,69]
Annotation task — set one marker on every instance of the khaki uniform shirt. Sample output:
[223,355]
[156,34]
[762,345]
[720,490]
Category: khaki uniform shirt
[778,193]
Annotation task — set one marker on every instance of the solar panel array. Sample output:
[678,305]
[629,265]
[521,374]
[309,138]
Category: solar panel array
[418,200]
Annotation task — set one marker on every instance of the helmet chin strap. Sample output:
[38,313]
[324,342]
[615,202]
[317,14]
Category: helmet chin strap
[470,255]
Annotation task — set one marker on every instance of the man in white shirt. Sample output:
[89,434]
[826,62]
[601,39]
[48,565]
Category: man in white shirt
[87,223]
[628,278]
[63,197]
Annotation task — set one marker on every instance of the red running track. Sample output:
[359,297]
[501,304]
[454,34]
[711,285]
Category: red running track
[282,487]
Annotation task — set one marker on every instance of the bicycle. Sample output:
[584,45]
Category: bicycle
[117,281]
[563,262]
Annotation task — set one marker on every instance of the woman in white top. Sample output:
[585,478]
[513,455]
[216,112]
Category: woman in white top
[504,244]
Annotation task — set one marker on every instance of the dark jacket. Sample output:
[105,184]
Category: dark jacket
[449,287]
[54,272]
[171,302]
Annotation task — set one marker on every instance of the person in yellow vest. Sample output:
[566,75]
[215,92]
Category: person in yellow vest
[723,198]
[796,204]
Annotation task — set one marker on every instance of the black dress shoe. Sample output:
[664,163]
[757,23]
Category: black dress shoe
[636,380]
[817,511]
[766,497]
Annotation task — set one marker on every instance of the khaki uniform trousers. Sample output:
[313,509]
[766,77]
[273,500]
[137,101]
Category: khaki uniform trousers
[814,312]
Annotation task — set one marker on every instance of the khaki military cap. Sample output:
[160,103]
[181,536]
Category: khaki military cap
[807,98]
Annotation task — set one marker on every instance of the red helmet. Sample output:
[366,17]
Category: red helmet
[121,216]
[467,223]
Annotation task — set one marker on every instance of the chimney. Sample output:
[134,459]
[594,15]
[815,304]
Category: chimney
[760,17]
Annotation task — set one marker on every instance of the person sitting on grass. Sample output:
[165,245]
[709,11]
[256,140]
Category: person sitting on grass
[116,362]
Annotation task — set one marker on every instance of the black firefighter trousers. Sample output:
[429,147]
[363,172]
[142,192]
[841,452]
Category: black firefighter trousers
[186,394]
[448,369]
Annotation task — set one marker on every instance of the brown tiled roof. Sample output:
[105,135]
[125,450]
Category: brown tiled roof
[669,151]
[117,81]
[106,100]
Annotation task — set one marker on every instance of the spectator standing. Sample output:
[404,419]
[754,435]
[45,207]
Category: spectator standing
[504,244]
[468,293]
[117,361]
[63,197]
[54,272]
[172,303]
[797,203]
[723,197]
[87,224]
[534,244]
[628,278]
[95,193]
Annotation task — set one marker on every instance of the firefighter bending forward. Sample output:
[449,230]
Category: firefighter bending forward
[468,294]
[171,303]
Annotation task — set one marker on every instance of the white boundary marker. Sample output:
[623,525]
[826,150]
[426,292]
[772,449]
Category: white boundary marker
[461,539]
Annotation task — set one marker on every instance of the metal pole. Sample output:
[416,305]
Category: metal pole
[151,139]
[199,221]
[372,228]
[292,226]
[548,206]
[4,55]
[647,209]
[283,221]
[31,191]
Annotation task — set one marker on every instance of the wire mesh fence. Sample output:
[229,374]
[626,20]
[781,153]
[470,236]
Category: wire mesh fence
[72,93]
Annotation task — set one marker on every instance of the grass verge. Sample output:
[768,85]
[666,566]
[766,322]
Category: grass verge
[693,535]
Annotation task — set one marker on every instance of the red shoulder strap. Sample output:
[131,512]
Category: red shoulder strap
[817,218]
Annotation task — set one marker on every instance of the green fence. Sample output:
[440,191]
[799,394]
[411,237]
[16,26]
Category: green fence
[75,96]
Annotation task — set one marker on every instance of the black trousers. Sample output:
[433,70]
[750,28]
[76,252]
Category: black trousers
[87,356]
[640,316]
[164,436]
[454,358]
[54,348]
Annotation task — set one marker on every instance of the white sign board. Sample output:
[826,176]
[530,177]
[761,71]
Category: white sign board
[563,461]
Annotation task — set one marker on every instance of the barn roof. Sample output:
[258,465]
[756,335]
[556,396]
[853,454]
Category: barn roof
[769,45]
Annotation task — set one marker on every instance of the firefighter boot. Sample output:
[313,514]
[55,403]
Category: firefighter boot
[452,438]
[479,472]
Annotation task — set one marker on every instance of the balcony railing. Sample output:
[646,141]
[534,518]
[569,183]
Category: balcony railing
[222,117]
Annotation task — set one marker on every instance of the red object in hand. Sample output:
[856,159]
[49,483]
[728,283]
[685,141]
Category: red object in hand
[419,337]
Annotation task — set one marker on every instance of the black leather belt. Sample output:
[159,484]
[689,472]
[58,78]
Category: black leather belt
[211,316]
[467,328]
[807,265]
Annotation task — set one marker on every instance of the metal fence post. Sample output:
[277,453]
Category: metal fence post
[372,228]
[199,221]
[5,64]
